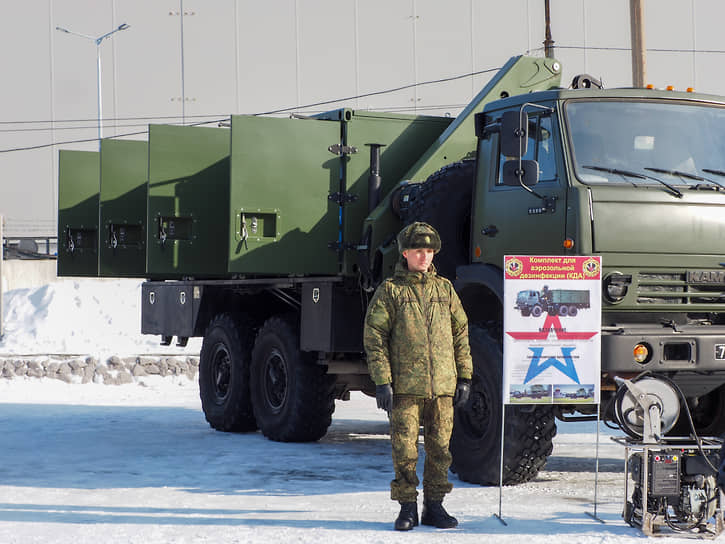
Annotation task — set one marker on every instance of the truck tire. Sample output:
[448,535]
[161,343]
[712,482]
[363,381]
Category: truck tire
[708,416]
[476,440]
[292,395]
[536,311]
[224,375]
[573,310]
[444,201]
[563,310]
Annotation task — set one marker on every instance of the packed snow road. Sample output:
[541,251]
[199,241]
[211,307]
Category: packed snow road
[138,463]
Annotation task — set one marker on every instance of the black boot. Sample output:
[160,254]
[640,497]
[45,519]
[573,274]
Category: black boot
[434,514]
[408,517]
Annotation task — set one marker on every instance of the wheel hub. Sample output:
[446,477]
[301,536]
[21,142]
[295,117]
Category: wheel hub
[221,372]
[477,416]
[275,380]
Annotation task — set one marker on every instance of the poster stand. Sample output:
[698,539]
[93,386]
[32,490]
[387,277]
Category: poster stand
[594,515]
[499,516]
[557,360]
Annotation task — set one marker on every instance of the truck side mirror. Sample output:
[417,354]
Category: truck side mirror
[514,133]
[527,175]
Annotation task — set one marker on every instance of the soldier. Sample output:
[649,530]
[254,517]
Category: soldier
[416,340]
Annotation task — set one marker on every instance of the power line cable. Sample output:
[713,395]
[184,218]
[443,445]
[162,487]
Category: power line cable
[649,50]
[272,112]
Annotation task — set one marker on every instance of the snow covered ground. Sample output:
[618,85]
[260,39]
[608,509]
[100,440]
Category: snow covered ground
[89,463]
[92,317]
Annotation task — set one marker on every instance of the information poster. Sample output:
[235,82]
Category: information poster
[552,330]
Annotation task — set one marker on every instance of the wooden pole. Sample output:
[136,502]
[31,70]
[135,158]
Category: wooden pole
[548,42]
[639,54]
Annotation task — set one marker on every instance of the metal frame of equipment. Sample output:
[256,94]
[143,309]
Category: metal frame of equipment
[675,489]
[658,479]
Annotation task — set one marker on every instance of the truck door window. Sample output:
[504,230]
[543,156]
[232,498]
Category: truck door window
[540,149]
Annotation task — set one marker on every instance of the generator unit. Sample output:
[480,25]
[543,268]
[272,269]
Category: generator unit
[670,483]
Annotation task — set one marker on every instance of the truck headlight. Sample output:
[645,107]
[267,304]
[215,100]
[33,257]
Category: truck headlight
[616,286]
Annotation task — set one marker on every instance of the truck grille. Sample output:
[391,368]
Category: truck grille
[672,288]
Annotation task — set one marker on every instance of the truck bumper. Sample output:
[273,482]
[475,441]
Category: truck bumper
[689,348]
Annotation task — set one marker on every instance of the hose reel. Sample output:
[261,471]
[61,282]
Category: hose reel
[646,408]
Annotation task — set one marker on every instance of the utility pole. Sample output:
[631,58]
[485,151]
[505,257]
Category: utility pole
[639,54]
[548,42]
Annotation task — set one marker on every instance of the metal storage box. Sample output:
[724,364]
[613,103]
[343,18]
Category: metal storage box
[124,186]
[299,191]
[188,201]
[78,199]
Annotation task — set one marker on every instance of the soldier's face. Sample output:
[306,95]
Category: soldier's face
[419,259]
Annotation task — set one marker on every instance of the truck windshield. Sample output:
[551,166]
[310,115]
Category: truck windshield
[679,143]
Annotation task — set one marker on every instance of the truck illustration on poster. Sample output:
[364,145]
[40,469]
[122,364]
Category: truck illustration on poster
[552,329]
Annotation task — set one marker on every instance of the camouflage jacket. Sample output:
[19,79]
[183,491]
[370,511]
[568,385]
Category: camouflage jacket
[416,335]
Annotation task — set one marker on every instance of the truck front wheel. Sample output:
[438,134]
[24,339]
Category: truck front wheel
[292,395]
[224,375]
[476,441]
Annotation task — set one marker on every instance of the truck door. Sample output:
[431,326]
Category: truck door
[510,220]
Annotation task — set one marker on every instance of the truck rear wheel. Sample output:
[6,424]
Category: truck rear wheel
[293,397]
[476,440]
[444,201]
[224,375]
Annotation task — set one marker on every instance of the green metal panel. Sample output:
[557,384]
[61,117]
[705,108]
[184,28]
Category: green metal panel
[188,196]
[282,174]
[124,186]
[78,195]
[406,137]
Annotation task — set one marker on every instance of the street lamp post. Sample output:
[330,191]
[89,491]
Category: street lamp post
[97,41]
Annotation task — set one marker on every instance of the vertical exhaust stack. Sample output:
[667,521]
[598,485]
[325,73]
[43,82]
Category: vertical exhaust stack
[374,179]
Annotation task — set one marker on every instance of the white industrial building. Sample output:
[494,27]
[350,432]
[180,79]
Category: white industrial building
[193,61]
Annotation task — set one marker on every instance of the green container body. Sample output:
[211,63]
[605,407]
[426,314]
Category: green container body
[124,187]
[282,218]
[188,201]
[78,200]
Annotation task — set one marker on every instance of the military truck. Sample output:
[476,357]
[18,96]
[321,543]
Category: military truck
[563,302]
[268,238]
[538,391]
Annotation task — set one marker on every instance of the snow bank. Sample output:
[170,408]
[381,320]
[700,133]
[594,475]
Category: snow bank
[85,330]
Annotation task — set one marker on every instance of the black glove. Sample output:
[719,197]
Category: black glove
[463,390]
[384,396]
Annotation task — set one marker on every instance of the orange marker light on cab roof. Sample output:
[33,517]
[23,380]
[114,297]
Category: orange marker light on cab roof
[650,86]
[670,87]
[568,243]
[690,90]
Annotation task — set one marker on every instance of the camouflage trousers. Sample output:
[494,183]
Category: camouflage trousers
[405,423]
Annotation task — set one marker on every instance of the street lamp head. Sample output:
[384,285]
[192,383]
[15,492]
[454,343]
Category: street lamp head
[62,29]
[123,26]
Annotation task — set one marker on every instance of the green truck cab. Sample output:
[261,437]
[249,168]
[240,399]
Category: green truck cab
[635,176]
